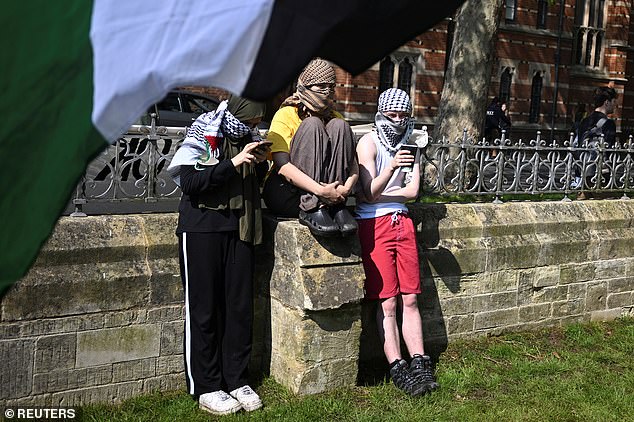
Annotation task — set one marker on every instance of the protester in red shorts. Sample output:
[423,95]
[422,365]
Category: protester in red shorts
[388,241]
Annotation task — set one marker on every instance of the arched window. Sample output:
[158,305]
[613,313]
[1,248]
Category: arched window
[405,75]
[505,86]
[536,98]
[589,32]
[386,74]
[511,9]
[542,13]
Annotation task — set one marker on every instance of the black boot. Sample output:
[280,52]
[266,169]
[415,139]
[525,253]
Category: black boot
[319,222]
[344,220]
[421,369]
[404,380]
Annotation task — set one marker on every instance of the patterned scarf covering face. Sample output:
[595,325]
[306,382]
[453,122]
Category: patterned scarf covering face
[318,100]
[393,134]
[220,135]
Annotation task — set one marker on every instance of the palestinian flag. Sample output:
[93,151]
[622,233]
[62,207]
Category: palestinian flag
[77,73]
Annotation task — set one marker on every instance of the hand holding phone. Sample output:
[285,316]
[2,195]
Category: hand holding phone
[264,146]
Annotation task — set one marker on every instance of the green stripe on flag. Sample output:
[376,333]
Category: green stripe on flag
[46,135]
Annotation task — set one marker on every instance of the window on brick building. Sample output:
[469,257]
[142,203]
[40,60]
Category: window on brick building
[536,98]
[511,10]
[397,70]
[386,74]
[542,12]
[505,86]
[405,75]
[589,32]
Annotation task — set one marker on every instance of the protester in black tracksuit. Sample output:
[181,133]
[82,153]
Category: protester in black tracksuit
[219,224]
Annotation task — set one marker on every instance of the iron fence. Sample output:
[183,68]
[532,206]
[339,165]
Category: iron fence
[134,169]
[505,167]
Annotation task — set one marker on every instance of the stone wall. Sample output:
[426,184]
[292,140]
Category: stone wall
[99,316]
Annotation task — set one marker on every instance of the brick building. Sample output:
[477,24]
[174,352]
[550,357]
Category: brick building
[592,39]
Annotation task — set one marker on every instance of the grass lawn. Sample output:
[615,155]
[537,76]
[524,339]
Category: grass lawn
[581,372]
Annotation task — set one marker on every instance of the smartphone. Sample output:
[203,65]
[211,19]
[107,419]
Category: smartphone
[263,146]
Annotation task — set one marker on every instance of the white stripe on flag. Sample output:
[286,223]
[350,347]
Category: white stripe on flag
[144,48]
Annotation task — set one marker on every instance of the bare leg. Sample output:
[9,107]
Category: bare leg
[388,328]
[412,325]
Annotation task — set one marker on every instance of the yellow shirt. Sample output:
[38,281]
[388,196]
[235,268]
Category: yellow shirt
[283,128]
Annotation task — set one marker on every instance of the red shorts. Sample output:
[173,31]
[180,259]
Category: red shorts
[390,257]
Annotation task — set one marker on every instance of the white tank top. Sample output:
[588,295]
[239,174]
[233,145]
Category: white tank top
[372,210]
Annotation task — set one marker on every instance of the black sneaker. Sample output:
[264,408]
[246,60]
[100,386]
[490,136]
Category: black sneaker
[403,379]
[421,369]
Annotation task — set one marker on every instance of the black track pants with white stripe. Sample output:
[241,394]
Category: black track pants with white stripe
[217,275]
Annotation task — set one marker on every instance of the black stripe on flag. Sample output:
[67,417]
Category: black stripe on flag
[353,34]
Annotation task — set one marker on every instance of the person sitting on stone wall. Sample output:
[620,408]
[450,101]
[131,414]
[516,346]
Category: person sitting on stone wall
[388,239]
[314,163]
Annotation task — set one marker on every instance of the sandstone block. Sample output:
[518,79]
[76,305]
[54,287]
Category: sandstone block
[532,313]
[567,307]
[169,365]
[620,285]
[616,300]
[505,317]
[165,283]
[511,251]
[117,345]
[16,368]
[596,296]
[318,288]
[494,301]
[170,382]
[55,352]
[112,393]
[577,272]
[546,276]
[314,351]
[77,289]
[133,370]
[606,314]
[460,324]
[172,338]
[166,314]
[614,268]
[70,379]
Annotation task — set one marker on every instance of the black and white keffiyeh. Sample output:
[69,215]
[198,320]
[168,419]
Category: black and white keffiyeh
[203,144]
[393,134]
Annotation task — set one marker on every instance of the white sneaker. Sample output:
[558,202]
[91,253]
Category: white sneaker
[248,398]
[218,403]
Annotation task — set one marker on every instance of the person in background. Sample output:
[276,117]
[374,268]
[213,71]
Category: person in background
[495,121]
[388,239]
[314,163]
[593,126]
[219,223]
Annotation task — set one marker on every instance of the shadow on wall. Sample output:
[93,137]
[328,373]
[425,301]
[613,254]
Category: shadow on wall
[436,263]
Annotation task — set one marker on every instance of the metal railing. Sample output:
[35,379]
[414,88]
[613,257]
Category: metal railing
[504,167]
[134,169]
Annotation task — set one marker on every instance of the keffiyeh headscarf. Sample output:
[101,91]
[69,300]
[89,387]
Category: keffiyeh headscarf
[317,100]
[218,135]
[392,133]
